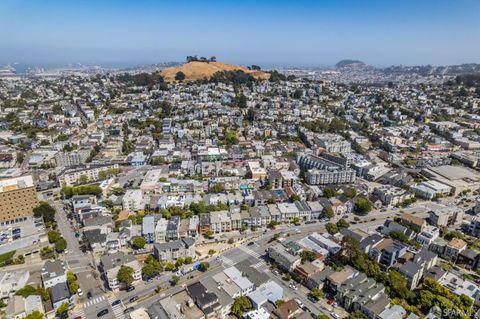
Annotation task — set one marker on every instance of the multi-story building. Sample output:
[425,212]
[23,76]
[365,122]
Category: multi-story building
[132,200]
[18,198]
[322,171]
[283,257]
[53,272]
[392,195]
[148,228]
[220,221]
[446,216]
[173,228]
[333,143]
[428,235]
[173,250]
[75,158]
[11,281]
[161,230]
[454,248]
[111,263]
[325,176]
[90,173]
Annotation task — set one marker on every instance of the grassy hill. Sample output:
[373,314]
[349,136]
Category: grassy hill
[199,70]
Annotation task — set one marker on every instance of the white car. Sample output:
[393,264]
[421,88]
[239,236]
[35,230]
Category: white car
[80,292]
[300,303]
[334,315]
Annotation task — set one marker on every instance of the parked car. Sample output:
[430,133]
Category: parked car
[134,298]
[129,309]
[116,302]
[130,288]
[102,313]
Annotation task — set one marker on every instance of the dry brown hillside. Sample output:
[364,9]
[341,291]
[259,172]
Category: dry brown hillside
[199,70]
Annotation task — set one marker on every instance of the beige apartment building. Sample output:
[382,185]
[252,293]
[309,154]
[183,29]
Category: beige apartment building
[18,198]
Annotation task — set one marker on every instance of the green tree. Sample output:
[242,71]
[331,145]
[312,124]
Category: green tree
[62,309]
[72,282]
[29,290]
[322,316]
[125,275]
[331,228]
[180,261]
[170,266]
[328,211]
[53,236]
[350,192]
[329,192]
[316,293]
[45,211]
[217,188]
[241,305]
[174,280]
[296,220]
[454,234]
[139,243]
[180,76]
[231,138]
[60,245]
[342,223]
[188,260]
[363,206]
[307,255]
[398,285]
[357,315]
[34,315]
[204,266]
[295,198]
[149,271]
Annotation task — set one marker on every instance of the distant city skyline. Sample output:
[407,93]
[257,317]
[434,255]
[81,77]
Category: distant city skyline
[267,33]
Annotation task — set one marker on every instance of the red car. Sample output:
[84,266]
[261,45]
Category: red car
[330,301]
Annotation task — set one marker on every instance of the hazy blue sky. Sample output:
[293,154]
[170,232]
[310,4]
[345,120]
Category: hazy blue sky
[263,32]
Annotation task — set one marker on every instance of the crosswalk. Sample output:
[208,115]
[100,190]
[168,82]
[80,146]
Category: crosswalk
[94,301]
[260,265]
[117,309]
[226,261]
[249,251]
[79,313]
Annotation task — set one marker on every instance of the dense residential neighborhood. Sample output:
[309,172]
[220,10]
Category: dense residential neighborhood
[345,193]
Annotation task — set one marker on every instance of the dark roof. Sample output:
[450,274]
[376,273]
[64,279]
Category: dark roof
[95,236]
[97,221]
[60,292]
[410,268]
[205,300]
[156,311]
[110,261]
[256,277]
[424,255]
[370,240]
[183,243]
[469,254]
[350,233]
[436,272]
